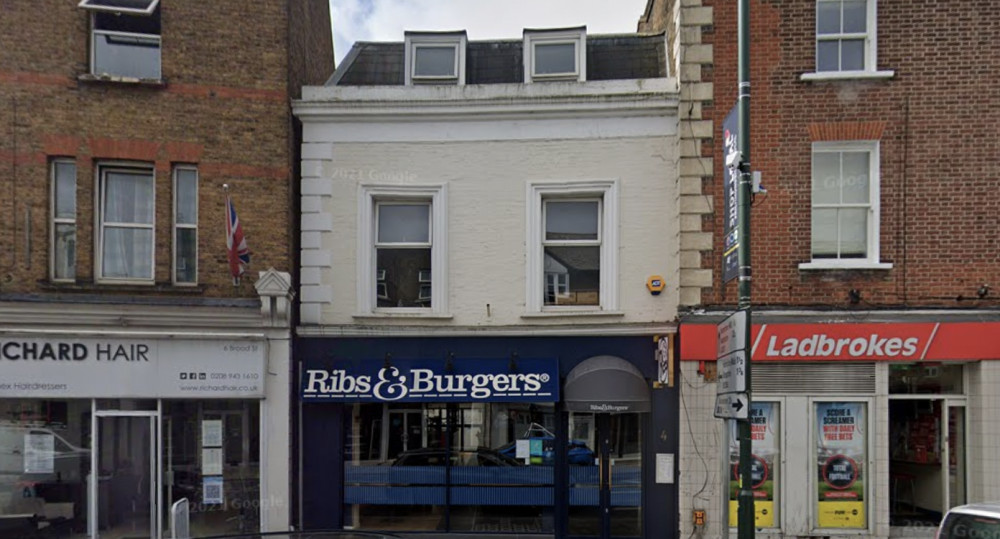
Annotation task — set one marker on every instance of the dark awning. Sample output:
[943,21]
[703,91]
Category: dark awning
[606,384]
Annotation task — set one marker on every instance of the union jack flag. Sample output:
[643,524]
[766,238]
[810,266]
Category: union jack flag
[236,244]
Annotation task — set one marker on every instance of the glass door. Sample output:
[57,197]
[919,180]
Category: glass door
[605,475]
[405,431]
[125,486]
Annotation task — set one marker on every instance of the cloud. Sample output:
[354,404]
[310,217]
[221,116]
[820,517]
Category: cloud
[386,20]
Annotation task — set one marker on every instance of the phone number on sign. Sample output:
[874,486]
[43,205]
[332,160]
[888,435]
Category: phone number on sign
[234,376]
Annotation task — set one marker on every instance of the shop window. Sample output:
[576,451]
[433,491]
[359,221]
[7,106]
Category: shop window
[44,464]
[926,378]
[572,253]
[841,465]
[126,219]
[211,451]
[125,38]
[185,225]
[62,237]
[765,429]
[403,258]
[454,468]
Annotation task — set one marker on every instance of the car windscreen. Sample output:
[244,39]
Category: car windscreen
[970,527]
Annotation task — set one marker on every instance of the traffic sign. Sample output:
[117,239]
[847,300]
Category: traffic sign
[732,406]
[732,371]
[731,355]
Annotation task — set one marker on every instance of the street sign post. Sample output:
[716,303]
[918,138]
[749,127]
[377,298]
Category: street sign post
[732,406]
[732,354]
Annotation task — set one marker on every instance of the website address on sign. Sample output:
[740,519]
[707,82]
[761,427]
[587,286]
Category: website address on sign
[208,388]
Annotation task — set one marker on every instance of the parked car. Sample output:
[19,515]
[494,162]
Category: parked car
[436,457]
[977,520]
[577,451]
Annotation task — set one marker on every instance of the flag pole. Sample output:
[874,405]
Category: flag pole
[226,203]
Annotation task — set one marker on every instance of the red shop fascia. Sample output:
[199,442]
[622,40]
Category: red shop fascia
[854,341]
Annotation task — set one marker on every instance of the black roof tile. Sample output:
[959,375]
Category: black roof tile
[627,56]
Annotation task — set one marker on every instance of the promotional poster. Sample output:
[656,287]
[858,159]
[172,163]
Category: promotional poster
[841,447]
[764,465]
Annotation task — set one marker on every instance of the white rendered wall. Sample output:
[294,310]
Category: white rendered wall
[487,218]
[275,437]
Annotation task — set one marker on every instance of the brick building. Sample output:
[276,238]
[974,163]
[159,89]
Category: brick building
[874,263]
[122,121]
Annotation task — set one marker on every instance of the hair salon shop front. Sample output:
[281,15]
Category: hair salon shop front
[100,434]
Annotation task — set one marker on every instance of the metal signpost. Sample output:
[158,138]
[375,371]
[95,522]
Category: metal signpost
[746,514]
[731,400]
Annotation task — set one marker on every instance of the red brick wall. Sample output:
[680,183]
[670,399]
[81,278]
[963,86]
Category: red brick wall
[224,107]
[940,156]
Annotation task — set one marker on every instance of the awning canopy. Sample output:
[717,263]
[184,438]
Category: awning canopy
[606,384]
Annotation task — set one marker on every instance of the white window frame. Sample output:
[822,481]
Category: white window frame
[97,6]
[870,70]
[102,169]
[414,41]
[178,226]
[369,196]
[94,33]
[573,36]
[871,261]
[607,191]
[56,220]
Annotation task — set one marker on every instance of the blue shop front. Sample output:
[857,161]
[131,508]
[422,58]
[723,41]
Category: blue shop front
[554,436]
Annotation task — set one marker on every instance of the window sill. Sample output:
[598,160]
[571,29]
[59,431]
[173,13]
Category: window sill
[104,287]
[425,315]
[572,314]
[118,79]
[847,75]
[844,265]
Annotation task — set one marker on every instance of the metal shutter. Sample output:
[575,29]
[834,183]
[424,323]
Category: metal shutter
[813,378]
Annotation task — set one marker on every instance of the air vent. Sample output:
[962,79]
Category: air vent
[813,378]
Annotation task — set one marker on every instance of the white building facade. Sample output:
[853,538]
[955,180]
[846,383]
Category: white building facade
[490,271]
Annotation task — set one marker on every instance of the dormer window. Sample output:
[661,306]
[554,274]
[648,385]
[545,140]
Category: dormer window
[555,54]
[435,58]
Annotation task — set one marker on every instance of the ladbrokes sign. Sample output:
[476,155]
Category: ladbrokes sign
[932,341]
[843,341]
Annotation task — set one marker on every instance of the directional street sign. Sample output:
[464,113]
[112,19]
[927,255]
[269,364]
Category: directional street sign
[732,373]
[732,406]
[732,354]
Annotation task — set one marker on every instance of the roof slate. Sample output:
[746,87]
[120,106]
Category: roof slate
[630,56]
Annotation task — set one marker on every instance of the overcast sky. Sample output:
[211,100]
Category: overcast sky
[385,20]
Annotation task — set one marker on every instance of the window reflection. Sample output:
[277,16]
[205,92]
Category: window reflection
[473,467]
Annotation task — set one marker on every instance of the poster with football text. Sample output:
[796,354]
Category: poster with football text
[841,454]
[765,456]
